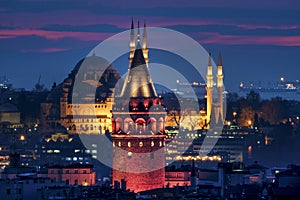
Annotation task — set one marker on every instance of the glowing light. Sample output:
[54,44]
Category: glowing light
[234,114]
[282,79]
[141,144]
[249,148]
[129,154]
[22,137]
[85,183]
[249,122]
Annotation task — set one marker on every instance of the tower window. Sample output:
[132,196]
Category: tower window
[141,144]
[129,144]
[152,144]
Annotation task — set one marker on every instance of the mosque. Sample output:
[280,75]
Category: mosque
[92,114]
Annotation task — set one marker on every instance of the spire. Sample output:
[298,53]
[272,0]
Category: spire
[132,42]
[220,60]
[132,26]
[209,60]
[138,33]
[145,37]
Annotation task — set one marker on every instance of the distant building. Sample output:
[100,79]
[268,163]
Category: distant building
[63,148]
[74,174]
[178,176]
[24,187]
[10,116]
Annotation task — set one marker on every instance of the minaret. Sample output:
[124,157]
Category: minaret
[132,43]
[220,88]
[209,89]
[145,46]
[220,74]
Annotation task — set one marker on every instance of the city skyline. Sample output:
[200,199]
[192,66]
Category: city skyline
[42,38]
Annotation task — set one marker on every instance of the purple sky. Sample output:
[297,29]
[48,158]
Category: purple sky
[259,40]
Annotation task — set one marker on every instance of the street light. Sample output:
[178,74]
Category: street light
[234,117]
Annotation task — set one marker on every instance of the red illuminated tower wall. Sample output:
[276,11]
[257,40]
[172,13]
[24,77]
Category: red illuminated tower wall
[142,159]
[138,127]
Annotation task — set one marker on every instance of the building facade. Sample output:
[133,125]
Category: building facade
[74,174]
[86,110]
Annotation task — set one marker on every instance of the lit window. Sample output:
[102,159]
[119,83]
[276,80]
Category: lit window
[141,144]
[129,144]
[152,144]
[119,143]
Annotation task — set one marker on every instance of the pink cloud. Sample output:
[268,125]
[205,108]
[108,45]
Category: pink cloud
[84,17]
[258,26]
[270,4]
[216,38]
[55,35]
[46,50]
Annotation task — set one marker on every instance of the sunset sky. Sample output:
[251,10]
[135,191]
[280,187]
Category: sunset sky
[259,40]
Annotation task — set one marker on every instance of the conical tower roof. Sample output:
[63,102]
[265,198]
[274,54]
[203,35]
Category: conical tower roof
[138,82]
[220,59]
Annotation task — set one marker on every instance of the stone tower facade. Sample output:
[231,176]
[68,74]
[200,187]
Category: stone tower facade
[138,125]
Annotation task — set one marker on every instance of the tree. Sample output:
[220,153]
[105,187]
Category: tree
[245,116]
[274,111]
[253,99]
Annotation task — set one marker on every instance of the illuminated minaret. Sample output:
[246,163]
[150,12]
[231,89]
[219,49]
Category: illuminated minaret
[145,46]
[220,89]
[209,89]
[132,43]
